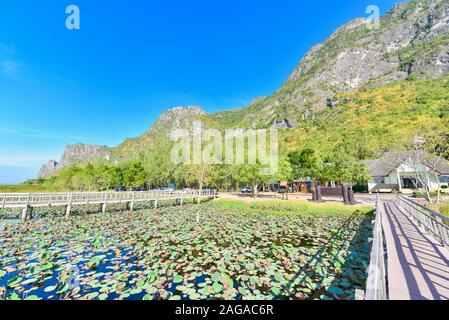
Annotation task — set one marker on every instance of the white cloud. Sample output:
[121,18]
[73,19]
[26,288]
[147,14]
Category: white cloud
[23,158]
[7,130]
[9,65]
[39,134]
[6,50]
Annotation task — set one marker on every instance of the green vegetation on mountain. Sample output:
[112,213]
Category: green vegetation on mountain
[373,120]
[360,93]
[364,125]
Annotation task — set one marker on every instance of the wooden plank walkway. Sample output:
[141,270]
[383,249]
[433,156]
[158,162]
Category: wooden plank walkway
[22,200]
[29,201]
[417,264]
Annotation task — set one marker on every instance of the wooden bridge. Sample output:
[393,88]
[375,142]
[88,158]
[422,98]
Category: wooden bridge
[410,255]
[28,201]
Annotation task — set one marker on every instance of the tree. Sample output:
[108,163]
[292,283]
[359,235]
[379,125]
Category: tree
[424,151]
[284,172]
[328,163]
[249,174]
[308,163]
[91,176]
[79,180]
[285,169]
[134,174]
[221,177]
[158,166]
[115,176]
[341,166]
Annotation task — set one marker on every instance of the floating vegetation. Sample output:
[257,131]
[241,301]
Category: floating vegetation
[165,254]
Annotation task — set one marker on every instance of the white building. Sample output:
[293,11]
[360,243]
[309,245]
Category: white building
[397,172]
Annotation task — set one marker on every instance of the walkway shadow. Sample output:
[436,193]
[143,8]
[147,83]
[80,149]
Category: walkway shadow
[353,231]
[405,229]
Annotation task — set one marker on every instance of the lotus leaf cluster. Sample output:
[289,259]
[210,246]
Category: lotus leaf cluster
[165,254]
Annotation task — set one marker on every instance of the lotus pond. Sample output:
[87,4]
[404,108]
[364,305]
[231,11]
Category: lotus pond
[165,254]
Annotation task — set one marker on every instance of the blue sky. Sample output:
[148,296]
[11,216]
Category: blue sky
[131,60]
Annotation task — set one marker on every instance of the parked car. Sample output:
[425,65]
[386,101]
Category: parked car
[210,190]
[120,189]
[139,189]
[284,190]
[247,190]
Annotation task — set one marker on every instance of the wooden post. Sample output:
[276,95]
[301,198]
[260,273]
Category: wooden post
[359,295]
[104,204]
[318,193]
[181,201]
[4,201]
[344,188]
[442,231]
[399,181]
[27,213]
[351,197]
[68,208]
[131,207]
[155,203]
[24,214]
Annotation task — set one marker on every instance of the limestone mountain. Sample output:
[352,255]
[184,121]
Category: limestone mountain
[175,118]
[47,169]
[412,40]
[75,154]
[410,43]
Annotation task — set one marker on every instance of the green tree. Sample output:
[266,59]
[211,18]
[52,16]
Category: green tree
[158,166]
[134,174]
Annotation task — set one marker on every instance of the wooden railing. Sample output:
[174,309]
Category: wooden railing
[28,201]
[376,284]
[384,187]
[21,200]
[432,221]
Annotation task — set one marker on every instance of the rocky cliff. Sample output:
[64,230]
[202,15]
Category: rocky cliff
[175,118]
[412,40]
[47,169]
[75,154]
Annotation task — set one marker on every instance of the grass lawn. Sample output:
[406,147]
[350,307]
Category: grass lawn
[444,209]
[23,188]
[291,207]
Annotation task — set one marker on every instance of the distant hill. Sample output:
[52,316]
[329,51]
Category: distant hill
[363,86]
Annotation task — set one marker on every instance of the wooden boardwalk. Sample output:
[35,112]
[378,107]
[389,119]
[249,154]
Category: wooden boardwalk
[417,264]
[29,201]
